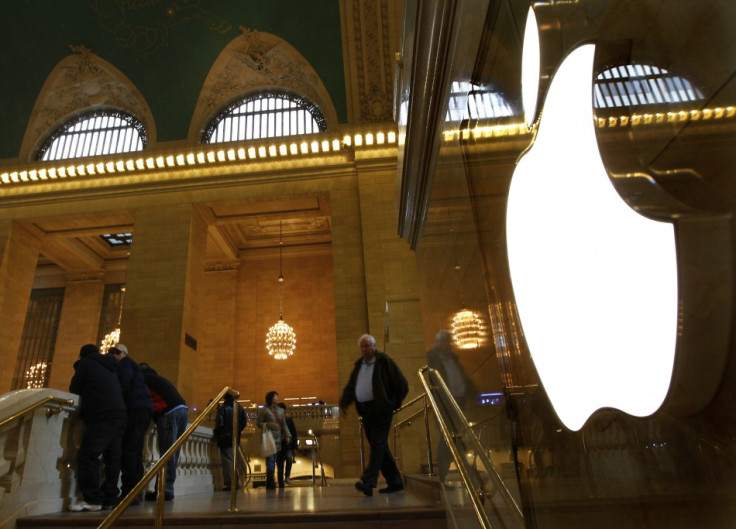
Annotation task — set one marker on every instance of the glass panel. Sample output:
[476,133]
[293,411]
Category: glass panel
[35,355]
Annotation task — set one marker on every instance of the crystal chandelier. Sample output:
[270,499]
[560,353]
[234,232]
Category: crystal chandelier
[281,339]
[113,337]
[468,329]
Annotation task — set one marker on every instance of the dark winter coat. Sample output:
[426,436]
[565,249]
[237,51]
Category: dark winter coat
[389,385]
[97,385]
[223,430]
[164,394]
[135,391]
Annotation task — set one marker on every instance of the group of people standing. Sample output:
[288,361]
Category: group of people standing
[118,399]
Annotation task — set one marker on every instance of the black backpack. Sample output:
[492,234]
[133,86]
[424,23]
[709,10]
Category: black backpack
[223,430]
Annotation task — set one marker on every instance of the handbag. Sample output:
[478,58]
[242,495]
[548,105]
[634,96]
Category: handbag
[268,444]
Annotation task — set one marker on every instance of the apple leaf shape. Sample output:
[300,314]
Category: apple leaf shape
[595,282]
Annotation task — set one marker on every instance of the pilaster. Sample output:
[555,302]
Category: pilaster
[19,248]
[78,324]
[163,285]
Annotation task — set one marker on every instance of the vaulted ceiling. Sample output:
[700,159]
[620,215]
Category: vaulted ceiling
[165,48]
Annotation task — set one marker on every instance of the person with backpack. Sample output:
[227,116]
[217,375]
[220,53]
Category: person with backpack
[223,433]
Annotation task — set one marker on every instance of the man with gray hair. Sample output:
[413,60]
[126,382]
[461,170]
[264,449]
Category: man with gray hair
[377,387]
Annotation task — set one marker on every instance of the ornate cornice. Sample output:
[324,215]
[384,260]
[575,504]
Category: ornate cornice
[87,275]
[371,46]
[223,266]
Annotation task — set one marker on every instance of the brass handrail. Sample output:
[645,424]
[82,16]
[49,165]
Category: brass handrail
[477,497]
[315,446]
[407,421]
[56,400]
[160,469]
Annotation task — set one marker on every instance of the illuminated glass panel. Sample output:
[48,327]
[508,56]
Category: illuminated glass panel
[467,101]
[117,239]
[94,134]
[639,85]
[265,115]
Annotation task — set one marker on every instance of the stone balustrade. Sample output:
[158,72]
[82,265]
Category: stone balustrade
[38,456]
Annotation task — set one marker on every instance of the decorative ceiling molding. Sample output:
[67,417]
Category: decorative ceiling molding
[85,276]
[79,83]
[223,266]
[370,45]
[255,61]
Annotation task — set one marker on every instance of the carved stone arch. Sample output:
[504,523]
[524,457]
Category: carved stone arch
[255,61]
[80,83]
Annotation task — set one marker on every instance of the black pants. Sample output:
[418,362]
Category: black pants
[131,461]
[377,428]
[100,438]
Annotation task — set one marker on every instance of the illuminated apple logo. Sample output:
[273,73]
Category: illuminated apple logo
[595,282]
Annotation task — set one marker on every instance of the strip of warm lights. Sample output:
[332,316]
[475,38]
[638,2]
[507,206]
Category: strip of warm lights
[133,162]
[634,120]
[658,118]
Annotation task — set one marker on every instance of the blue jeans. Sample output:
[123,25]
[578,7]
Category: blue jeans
[272,463]
[170,426]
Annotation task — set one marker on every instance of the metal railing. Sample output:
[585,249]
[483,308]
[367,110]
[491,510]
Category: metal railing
[477,496]
[49,412]
[407,422]
[317,460]
[159,468]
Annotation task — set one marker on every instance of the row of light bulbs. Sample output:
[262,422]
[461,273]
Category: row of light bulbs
[62,169]
[658,118]
[634,120]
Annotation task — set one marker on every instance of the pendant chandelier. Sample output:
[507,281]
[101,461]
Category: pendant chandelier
[112,338]
[468,329]
[281,339]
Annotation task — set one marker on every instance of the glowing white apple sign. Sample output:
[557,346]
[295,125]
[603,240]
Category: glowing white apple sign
[595,282]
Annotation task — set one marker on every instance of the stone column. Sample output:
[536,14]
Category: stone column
[78,324]
[163,291]
[373,268]
[19,248]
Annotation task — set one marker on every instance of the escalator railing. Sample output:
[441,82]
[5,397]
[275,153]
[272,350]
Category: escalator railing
[444,406]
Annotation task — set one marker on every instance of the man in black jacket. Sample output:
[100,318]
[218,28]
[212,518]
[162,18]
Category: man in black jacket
[171,414]
[377,386]
[103,412]
[140,410]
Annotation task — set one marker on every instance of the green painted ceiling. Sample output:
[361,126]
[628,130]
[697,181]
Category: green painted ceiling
[165,47]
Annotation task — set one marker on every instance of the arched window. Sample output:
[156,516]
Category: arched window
[639,85]
[265,115]
[95,134]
